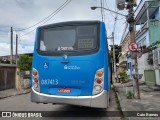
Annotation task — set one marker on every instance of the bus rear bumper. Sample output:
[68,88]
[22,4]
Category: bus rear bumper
[97,101]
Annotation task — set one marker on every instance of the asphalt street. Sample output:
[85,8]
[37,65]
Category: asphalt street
[23,103]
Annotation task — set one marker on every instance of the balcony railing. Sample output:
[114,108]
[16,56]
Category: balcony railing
[142,29]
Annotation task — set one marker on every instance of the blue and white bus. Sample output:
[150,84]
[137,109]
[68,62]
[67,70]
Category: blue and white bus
[71,64]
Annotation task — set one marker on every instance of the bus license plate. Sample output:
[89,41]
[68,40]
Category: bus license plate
[64,90]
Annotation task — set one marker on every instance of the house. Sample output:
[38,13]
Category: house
[10,76]
[125,60]
[147,19]
[6,59]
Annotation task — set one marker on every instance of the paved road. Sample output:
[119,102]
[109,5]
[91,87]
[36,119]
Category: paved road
[22,103]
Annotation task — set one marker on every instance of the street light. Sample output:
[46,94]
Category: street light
[114,59]
[95,7]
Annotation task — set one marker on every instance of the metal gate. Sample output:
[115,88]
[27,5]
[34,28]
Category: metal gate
[7,76]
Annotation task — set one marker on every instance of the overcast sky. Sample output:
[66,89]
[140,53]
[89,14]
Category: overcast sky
[21,14]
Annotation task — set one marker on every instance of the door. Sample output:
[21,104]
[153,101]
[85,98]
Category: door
[150,78]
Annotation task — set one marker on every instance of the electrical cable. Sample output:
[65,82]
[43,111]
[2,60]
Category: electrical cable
[42,19]
[56,12]
[109,8]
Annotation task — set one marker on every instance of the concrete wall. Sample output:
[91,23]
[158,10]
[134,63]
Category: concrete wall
[154,30]
[156,64]
[157,77]
[143,65]
[25,79]
[17,83]
[22,79]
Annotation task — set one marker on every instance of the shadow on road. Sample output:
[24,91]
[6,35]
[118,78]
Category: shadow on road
[76,111]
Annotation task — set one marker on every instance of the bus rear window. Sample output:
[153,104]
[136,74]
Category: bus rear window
[68,39]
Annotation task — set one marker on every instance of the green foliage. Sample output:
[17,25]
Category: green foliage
[130,95]
[149,48]
[123,76]
[25,62]
[117,51]
[154,45]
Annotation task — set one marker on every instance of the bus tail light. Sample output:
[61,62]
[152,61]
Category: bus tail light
[34,73]
[98,87]
[99,73]
[98,82]
[35,79]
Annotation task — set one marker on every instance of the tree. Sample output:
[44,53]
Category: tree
[117,51]
[25,62]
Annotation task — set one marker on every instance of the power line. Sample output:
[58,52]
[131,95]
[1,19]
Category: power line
[42,19]
[55,12]
[121,18]
[109,8]
[27,33]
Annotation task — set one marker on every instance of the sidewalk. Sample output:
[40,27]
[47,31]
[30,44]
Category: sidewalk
[150,98]
[12,92]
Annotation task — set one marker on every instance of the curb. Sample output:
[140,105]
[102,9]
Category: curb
[15,94]
[120,105]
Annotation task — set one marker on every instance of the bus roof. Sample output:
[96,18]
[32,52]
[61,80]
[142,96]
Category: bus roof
[70,23]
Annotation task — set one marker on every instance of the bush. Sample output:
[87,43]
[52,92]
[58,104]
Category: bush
[130,95]
[25,62]
[123,76]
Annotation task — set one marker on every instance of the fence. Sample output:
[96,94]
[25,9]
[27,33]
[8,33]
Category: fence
[7,76]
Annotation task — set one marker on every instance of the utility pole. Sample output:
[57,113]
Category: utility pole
[16,48]
[114,58]
[11,37]
[131,22]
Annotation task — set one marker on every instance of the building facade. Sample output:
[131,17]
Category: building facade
[125,60]
[147,19]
